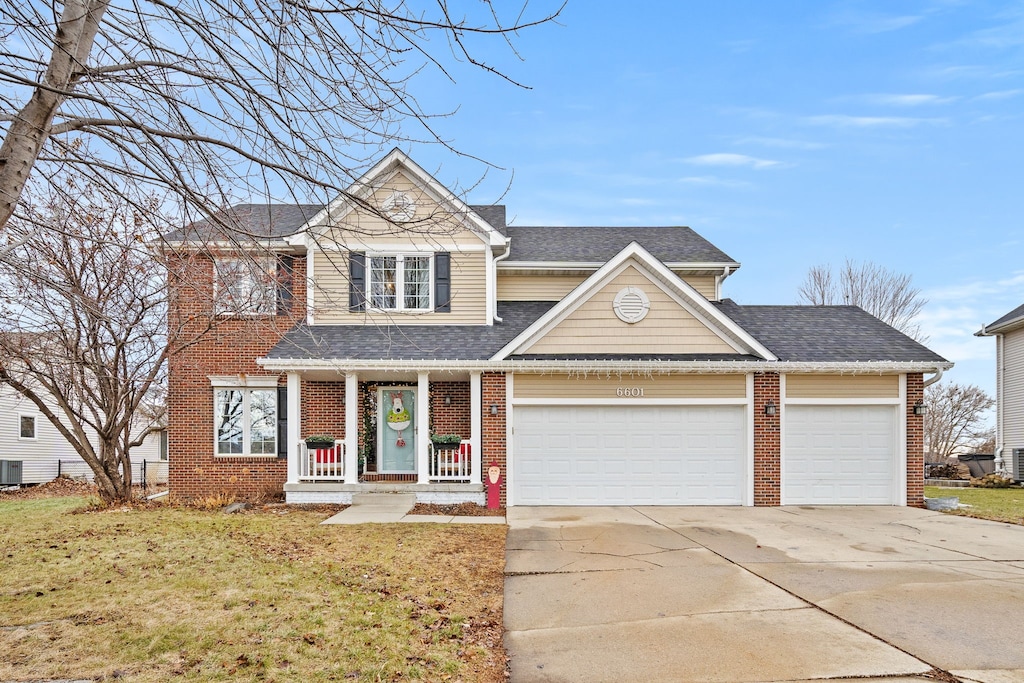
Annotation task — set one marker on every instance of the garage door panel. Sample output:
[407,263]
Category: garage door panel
[629,455]
[841,455]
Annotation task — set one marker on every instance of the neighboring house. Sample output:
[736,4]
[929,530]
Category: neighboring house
[28,438]
[1009,334]
[593,366]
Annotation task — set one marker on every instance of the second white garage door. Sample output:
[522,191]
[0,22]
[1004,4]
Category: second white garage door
[629,455]
[839,455]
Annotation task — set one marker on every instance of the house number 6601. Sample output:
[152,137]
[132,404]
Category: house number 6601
[629,392]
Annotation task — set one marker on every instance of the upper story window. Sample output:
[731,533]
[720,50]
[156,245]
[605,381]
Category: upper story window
[401,282]
[252,286]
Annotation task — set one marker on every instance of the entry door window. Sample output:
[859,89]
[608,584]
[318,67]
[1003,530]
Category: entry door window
[397,430]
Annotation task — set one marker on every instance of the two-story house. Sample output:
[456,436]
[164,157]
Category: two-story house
[1009,333]
[590,365]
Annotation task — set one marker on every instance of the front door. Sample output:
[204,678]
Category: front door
[396,430]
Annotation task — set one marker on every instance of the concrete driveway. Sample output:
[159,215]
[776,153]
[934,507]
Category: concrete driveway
[762,594]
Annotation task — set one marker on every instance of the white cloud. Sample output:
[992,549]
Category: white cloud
[874,23]
[845,121]
[729,159]
[999,95]
[711,181]
[780,143]
[909,100]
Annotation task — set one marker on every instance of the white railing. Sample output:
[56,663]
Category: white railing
[450,464]
[322,464]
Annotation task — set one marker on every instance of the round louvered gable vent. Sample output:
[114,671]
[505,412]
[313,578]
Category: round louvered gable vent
[631,305]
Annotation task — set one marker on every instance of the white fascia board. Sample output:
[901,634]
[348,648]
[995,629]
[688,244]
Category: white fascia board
[601,367]
[276,244]
[1002,328]
[594,265]
[684,294]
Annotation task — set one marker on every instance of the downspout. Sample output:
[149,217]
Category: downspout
[719,279]
[933,379]
[1000,463]
[497,259]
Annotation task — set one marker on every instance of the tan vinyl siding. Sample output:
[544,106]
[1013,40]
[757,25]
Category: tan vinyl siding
[594,327]
[705,284]
[1013,393]
[536,287]
[330,294]
[842,386]
[431,225]
[561,385]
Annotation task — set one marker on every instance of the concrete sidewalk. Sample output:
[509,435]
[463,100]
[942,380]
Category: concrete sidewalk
[389,508]
[761,594]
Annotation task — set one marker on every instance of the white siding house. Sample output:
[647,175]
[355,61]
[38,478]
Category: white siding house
[1009,334]
[27,437]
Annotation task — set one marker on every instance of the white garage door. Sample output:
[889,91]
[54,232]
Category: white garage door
[840,455]
[629,455]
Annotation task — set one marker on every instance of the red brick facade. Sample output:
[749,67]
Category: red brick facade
[323,409]
[495,436]
[767,441]
[915,442]
[455,417]
[219,346]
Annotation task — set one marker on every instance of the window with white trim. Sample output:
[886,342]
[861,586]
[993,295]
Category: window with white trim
[245,286]
[26,426]
[245,421]
[400,282]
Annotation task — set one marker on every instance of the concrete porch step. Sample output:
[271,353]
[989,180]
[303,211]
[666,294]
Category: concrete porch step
[388,499]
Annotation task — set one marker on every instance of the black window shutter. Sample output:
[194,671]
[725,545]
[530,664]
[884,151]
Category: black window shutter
[282,422]
[285,273]
[357,281]
[443,282]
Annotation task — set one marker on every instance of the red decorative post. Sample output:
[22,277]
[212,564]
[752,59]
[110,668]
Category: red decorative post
[494,481]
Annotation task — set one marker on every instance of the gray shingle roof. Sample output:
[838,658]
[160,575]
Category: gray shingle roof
[826,334]
[280,220]
[410,342]
[598,245]
[1014,315]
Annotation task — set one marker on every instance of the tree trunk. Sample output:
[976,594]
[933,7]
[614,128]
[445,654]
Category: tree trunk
[31,126]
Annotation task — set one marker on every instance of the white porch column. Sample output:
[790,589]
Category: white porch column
[351,428]
[476,412]
[422,427]
[294,416]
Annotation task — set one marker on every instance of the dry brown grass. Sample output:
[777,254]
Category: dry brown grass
[165,593]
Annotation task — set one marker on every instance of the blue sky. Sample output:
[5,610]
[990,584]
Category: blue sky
[789,134]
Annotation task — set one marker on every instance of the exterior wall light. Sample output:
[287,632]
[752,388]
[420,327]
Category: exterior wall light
[447,400]
[770,408]
[920,408]
[494,409]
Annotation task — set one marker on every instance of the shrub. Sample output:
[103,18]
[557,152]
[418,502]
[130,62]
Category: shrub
[992,481]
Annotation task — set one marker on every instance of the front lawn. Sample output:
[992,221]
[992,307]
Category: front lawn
[1001,505]
[176,594]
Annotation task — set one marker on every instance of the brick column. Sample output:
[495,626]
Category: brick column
[494,441]
[767,442]
[915,442]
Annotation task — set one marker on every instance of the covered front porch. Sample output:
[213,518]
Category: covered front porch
[377,427]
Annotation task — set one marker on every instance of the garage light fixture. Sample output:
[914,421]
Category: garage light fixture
[494,409]
[447,400]
[920,408]
[770,408]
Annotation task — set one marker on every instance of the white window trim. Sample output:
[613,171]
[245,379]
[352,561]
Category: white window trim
[400,282]
[245,384]
[35,427]
[269,264]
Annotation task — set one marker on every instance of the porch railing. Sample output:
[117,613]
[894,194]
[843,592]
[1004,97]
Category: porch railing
[450,464]
[322,464]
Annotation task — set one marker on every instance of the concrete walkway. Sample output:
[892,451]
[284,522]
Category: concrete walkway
[387,508]
[761,594]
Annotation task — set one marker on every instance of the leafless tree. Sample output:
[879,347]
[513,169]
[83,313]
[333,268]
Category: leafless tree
[216,100]
[889,296]
[955,418]
[84,333]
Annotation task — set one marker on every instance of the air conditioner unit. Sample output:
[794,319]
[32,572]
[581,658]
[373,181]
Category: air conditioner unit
[10,472]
